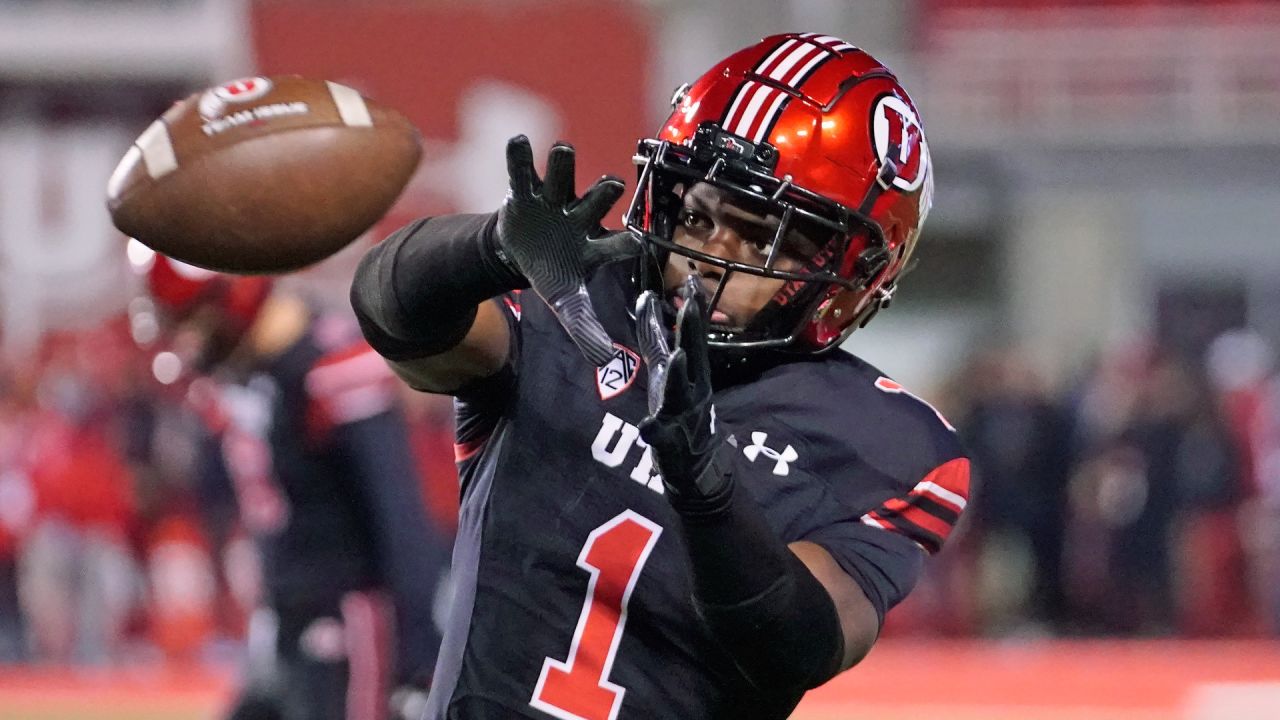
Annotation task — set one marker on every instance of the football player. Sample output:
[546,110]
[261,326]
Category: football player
[702,523]
[305,428]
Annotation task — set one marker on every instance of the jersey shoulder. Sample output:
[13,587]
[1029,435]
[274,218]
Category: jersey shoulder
[850,412]
[882,457]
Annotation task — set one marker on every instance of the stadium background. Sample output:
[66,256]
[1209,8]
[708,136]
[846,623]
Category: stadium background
[1096,306]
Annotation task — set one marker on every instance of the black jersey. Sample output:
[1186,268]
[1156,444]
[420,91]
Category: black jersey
[573,596]
[318,453]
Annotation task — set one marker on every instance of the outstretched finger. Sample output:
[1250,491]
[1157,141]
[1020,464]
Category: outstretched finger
[651,334]
[678,393]
[618,246]
[691,330]
[588,212]
[691,323]
[558,185]
[520,171]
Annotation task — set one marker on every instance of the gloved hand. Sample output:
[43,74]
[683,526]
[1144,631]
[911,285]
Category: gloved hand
[680,427]
[543,228]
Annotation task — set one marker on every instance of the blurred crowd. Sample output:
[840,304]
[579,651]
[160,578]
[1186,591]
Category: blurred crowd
[113,547]
[1144,499]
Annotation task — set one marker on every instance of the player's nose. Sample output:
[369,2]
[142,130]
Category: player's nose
[722,242]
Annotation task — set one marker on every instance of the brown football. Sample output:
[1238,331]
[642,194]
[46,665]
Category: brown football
[263,174]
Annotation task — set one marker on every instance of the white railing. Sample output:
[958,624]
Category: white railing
[1095,76]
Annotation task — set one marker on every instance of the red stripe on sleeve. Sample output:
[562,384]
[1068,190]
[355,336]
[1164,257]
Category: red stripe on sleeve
[464,450]
[952,476]
[916,516]
[945,490]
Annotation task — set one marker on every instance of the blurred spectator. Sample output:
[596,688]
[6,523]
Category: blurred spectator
[78,580]
[1241,366]
[17,503]
[1020,442]
[1152,542]
[183,586]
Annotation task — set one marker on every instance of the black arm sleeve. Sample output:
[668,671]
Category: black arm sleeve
[415,293]
[759,600]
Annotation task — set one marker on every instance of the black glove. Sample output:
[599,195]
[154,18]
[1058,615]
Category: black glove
[680,427]
[543,228]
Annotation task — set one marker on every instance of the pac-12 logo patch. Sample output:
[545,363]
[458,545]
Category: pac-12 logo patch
[617,374]
[895,123]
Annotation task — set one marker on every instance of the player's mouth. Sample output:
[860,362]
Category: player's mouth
[718,317]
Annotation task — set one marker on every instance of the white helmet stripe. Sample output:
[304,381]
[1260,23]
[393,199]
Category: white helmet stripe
[768,117]
[794,57]
[803,72]
[829,41]
[731,117]
[773,56]
[755,107]
[760,94]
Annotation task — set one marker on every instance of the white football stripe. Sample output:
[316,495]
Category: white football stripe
[932,488]
[157,150]
[768,120]
[351,106]
[753,109]
[116,181]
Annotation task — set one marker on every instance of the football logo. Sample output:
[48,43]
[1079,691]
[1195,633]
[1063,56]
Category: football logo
[894,123]
[617,374]
[243,90]
[214,101]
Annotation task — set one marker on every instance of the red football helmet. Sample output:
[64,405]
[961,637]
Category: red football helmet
[224,305]
[820,134]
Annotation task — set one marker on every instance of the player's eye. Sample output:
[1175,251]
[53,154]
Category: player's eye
[761,241]
[694,220]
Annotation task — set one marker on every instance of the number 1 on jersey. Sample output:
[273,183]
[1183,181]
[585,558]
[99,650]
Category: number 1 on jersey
[578,687]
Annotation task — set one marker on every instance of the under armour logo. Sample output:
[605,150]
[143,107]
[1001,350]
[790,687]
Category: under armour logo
[782,460]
